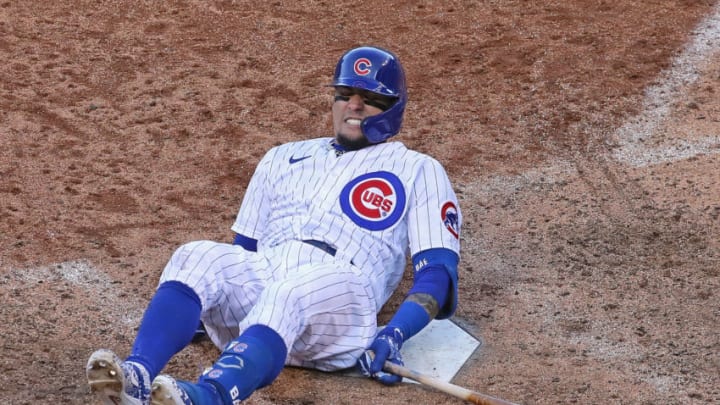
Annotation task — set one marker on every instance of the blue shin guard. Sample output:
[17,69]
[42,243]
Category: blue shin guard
[248,363]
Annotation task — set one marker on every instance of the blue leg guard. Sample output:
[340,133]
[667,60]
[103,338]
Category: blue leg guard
[248,363]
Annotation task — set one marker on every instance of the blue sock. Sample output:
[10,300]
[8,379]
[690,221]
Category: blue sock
[168,325]
[248,363]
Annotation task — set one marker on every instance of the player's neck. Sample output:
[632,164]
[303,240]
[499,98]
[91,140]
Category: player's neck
[339,149]
[343,147]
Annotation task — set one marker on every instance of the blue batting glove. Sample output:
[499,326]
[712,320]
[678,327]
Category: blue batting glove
[385,347]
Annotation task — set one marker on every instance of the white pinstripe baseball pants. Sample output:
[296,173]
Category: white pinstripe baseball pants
[322,307]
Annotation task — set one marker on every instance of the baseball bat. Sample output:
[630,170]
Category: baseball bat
[448,388]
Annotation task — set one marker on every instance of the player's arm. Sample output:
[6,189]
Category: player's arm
[433,231]
[433,294]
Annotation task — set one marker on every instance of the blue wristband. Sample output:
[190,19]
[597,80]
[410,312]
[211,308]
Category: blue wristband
[410,318]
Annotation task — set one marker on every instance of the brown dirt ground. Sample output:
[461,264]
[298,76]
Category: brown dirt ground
[131,127]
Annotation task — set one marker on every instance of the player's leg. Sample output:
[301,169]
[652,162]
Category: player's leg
[192,280]
[323,312]
[337,314]
[252,360]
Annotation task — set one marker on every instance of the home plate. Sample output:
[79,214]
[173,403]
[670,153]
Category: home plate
[439,350]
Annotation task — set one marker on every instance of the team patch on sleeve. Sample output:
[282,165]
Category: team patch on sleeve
[449,215]
[374,201]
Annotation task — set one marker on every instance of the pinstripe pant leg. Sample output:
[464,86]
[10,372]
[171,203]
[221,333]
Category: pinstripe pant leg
[324,312]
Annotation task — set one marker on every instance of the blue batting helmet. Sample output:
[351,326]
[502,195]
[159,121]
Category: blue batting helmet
[379,71]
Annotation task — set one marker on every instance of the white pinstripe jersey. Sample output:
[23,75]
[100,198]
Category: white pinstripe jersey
[376,205]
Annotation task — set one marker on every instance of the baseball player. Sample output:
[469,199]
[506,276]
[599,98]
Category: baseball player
[322,238]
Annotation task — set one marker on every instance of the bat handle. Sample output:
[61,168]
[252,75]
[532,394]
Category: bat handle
[448,388]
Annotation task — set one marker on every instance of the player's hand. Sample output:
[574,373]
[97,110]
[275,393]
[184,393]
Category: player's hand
[385,347]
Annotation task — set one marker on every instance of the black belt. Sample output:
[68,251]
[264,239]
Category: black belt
[321,245]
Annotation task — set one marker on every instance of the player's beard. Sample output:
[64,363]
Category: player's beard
[351,144]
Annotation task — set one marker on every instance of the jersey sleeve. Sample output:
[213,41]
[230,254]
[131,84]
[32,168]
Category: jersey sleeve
[434,217]
[254,210]
[434,221]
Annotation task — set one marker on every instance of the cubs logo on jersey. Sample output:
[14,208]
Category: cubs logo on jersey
[374,201]
[449,214]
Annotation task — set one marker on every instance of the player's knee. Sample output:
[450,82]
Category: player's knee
[187,256]
[185,259]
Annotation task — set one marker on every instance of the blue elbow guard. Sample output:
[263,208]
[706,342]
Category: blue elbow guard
[448,260]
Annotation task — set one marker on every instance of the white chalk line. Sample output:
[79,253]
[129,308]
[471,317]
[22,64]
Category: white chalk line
[635,135]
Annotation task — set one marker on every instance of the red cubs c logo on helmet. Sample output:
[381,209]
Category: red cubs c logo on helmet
[362,66]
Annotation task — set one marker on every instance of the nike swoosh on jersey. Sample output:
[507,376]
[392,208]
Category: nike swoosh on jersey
[293,160]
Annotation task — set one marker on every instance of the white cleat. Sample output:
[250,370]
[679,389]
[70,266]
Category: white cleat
[165,391]
[116,382]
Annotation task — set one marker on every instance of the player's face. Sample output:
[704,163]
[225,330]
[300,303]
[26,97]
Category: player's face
[351,106]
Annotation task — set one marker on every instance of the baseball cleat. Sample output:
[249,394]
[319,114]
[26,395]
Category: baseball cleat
[169,391]
[117,382]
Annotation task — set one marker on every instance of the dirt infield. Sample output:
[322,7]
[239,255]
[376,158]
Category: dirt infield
[582,138]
